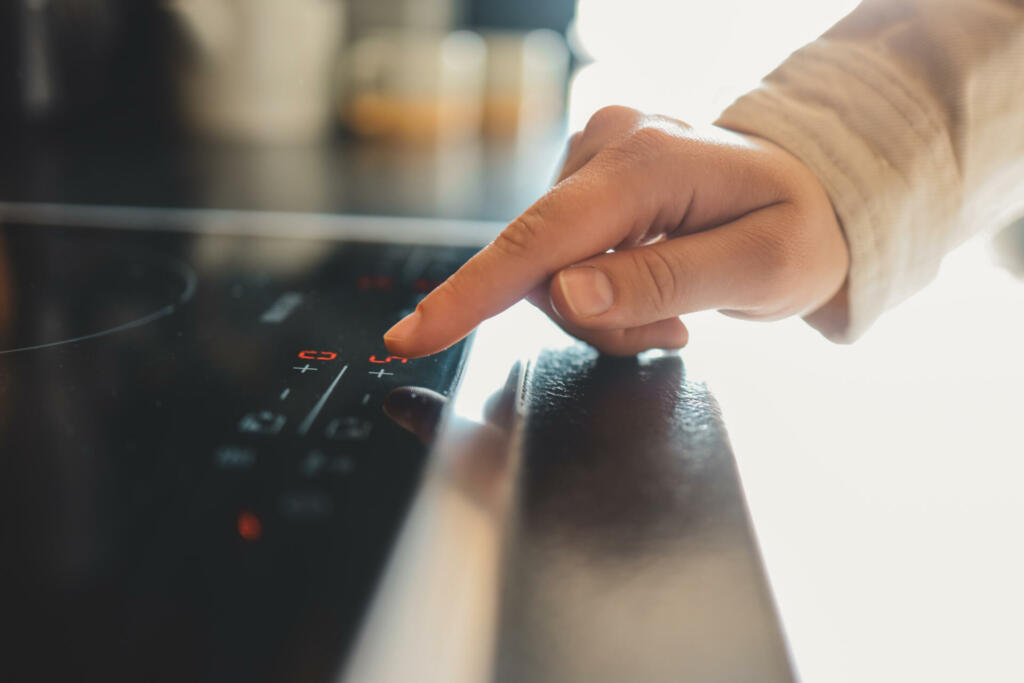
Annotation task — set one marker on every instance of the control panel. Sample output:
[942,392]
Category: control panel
[198,448]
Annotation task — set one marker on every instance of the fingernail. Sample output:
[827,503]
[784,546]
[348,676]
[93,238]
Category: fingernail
[587,290]
[404,329]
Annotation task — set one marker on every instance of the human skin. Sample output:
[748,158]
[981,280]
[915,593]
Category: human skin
[651,219]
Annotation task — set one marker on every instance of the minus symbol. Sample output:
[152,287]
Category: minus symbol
[284,394]
[366,399]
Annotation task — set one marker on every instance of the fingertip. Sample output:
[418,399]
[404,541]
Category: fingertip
[411,348]
[398,348]
[401,338]
[676,336]
[417,335]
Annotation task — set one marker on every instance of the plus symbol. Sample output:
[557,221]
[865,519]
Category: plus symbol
[304,368]
[380,373]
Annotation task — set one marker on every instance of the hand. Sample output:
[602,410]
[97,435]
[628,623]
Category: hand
[650,219]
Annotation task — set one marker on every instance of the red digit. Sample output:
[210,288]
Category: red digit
[317,355]
[425,285]
[374,283]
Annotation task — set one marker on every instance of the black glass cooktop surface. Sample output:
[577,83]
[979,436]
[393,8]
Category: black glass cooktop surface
[198,482]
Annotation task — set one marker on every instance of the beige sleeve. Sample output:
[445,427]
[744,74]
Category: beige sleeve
[911,113]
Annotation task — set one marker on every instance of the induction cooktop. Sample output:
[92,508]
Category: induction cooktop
[211,469]
[199,482]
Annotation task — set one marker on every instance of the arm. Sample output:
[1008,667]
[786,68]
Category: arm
[911,114]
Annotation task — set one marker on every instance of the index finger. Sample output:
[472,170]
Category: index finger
[584,215]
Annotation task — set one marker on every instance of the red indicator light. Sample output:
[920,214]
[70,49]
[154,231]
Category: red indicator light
[400,359]
[425,285]
[250,528]
[368,283]
[317,355]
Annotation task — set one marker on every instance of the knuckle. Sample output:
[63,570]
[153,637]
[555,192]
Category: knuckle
[652,139]
[647,145]
[609,118]
[658,279]
[522,237]
[669,122]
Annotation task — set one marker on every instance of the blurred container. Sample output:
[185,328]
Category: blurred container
[369,17]
[416,87]
[258,70]
[526,81]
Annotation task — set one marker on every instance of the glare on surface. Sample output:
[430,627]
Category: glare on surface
[884,478]
[515,335]
[684,58]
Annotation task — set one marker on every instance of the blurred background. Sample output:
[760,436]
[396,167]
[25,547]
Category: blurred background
[455,108]
[883,478]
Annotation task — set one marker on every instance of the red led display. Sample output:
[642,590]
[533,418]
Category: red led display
[374,283]
[317,355]
[250,528]
[425,284]
[400,359]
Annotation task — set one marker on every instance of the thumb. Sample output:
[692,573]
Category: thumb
[739,266]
